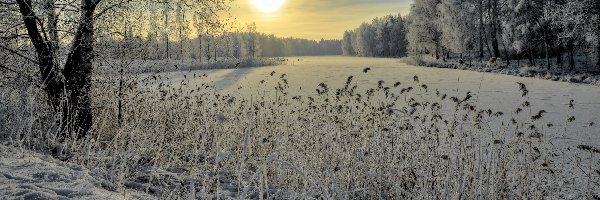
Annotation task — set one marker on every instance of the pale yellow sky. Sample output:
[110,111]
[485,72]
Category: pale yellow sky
[315,19]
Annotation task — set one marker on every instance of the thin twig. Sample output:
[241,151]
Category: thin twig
[29,78]
[19,54]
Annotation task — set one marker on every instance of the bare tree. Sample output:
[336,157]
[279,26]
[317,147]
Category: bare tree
[67,89]
[37,31]
[252,33]
[596,11]
[494,26]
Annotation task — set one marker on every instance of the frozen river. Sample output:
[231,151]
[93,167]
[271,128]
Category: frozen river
[506,142]
[495,91]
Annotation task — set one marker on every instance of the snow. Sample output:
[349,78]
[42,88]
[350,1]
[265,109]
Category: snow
[499,67]
[497,91]
[28,175]
[25,174]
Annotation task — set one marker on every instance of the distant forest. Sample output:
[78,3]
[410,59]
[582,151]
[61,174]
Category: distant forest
[544,33]
[383,37]
[210,47]
[556,31]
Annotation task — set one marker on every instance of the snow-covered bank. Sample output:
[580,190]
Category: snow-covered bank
[29,175]
[25,174]
[500,67]
[146,66]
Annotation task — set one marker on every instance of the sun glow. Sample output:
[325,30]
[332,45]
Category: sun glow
[267,5]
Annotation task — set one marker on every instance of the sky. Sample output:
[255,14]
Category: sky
[315,19]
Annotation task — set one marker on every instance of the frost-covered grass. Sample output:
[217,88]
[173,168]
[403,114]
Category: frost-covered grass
[344,138]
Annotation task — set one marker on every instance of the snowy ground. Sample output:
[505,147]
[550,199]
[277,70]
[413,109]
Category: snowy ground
[24,174]
[29,175]
[498,92]
[521,69]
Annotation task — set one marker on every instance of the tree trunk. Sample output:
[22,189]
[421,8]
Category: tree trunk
[167,28]
[120,98]
[494,28]
[546,46]
[437,52]
[481,30]
[559,55]
[506,55]
[531,57]
[181,35]
[597,10]
[531,54]
[571,50]
[50,74]
[487,46]
[52,25]
[78,73]
[253,47]
[598,36]
[598,50]
[208,51]
[200,48]
[69,95]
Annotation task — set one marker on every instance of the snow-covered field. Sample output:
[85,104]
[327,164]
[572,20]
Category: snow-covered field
[335,128]
[533,143]
[495,91]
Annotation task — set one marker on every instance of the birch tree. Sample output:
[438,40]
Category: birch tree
[424,35]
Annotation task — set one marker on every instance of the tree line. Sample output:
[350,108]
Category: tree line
[228,45]
[383,37]
[554,31]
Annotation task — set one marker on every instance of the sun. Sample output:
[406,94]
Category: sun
[267,5]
